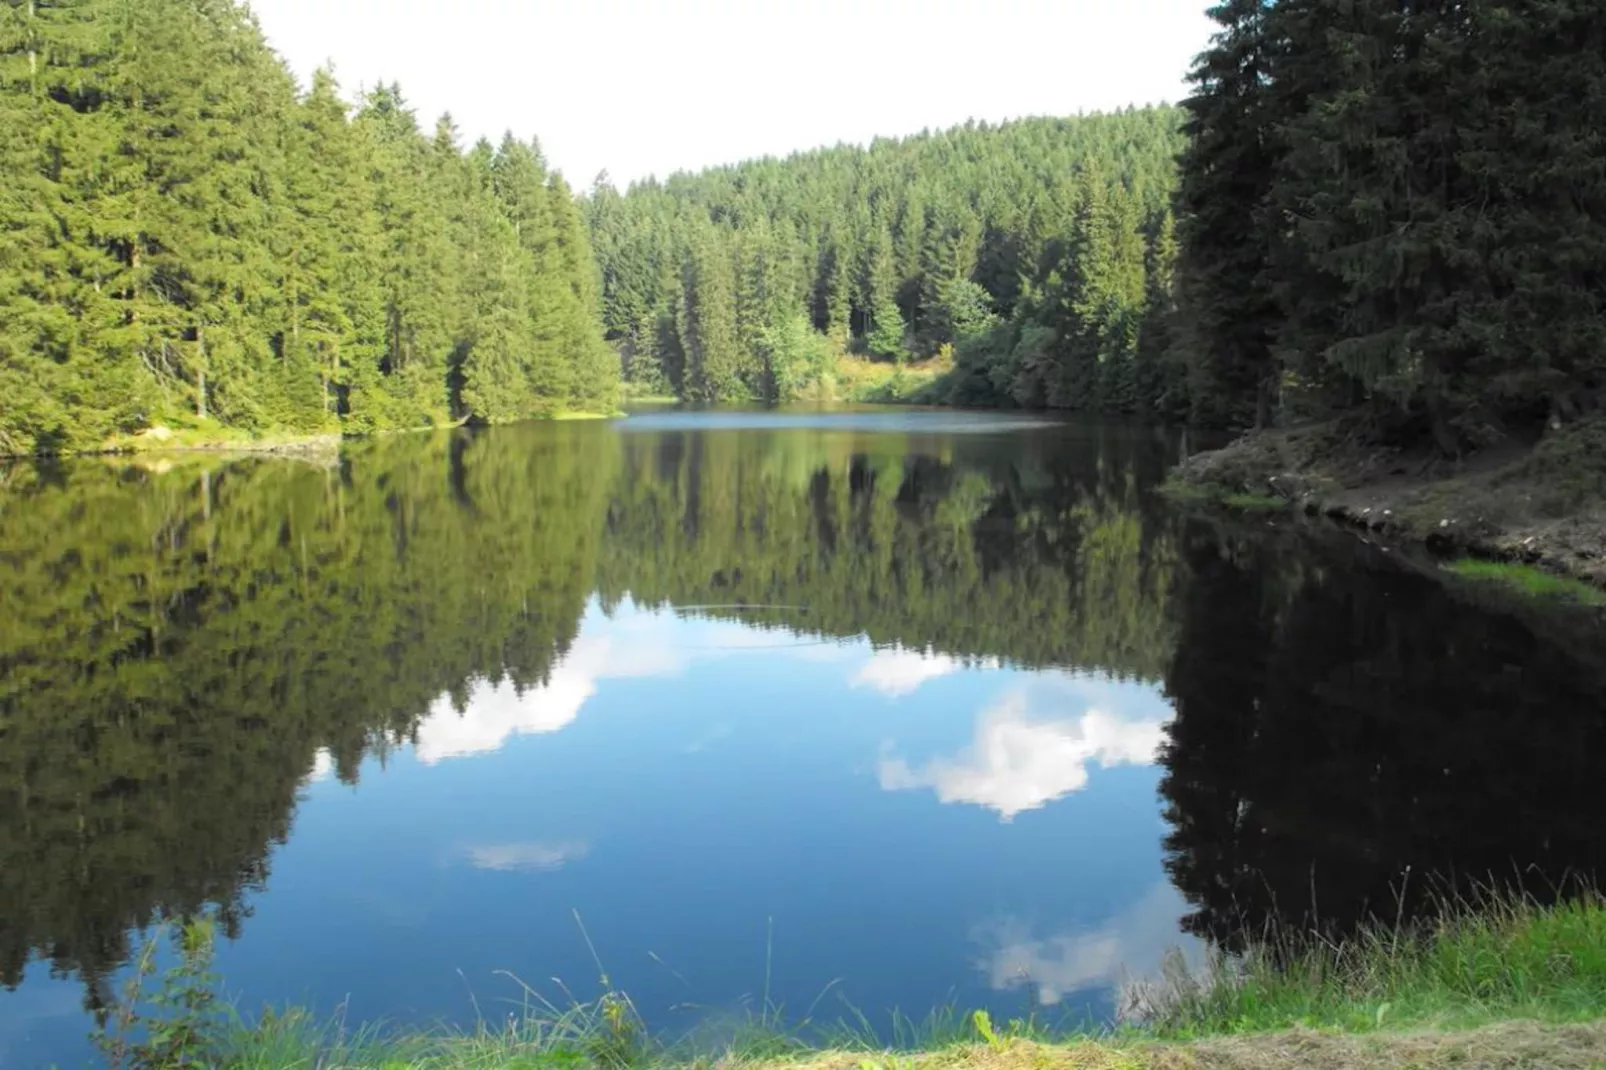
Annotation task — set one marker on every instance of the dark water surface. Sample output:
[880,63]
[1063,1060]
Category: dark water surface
[897,708]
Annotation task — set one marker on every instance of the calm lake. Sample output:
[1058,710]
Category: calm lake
[874,709]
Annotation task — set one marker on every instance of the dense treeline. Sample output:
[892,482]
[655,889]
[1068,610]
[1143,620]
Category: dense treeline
[1391,210]
[187,240]
[1399,209]
[1038,251]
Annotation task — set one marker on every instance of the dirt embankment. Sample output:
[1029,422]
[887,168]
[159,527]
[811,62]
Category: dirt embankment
[1508,1046]
[1542,504]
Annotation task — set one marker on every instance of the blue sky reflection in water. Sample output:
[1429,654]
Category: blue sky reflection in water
[915,829]
[952,708]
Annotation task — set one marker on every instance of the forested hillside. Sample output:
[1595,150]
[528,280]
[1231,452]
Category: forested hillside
[1039,251]
[187,239]
[1391,211]
[1398,210]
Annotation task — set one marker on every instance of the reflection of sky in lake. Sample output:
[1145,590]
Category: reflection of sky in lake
[915,830]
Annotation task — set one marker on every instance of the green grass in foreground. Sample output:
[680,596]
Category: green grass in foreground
[1528,580]
[1511,960]
[1513,984]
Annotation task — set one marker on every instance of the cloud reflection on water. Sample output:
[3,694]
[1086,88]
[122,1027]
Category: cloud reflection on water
[498,712]
[1127,948]
[1017,762]
[899,672]
[536,857]
[630,643]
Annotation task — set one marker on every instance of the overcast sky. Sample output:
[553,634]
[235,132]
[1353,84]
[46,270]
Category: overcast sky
[643,87]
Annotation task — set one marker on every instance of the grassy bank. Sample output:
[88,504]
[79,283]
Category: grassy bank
[1512,960]
[1529,581]
[212,437]
[876,381]
[1514,984]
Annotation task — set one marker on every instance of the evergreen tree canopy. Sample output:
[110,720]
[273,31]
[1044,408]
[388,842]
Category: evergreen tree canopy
[187,240]
[964,238]
[1397,208]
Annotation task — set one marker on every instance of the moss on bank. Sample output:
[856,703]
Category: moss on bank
[1212,495]
[1527,580]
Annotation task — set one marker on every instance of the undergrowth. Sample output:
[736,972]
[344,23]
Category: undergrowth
[886,382]
[1565,473]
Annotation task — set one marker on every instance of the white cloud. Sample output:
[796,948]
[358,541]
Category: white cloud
[899,672]
[1015,764]
[1130,946]
[526,857]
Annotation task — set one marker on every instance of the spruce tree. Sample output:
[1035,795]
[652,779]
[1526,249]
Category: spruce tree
[707,321]
[1224,226]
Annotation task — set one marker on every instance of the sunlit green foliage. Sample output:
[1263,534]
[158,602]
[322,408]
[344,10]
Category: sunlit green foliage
[186,239]
[973,237]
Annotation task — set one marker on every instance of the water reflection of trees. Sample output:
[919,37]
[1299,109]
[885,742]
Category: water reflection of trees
[178,645]
[179,642]
[1354,742]
[1040,550]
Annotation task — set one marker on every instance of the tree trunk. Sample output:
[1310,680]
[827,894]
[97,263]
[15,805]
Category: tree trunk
[200,375]
[33,50]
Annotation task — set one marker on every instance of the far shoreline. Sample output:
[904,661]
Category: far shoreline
[161,439]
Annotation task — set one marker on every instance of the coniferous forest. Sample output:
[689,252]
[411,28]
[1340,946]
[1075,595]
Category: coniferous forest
[1391,210]
[1037,253]
[1395,211]
[188,240]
